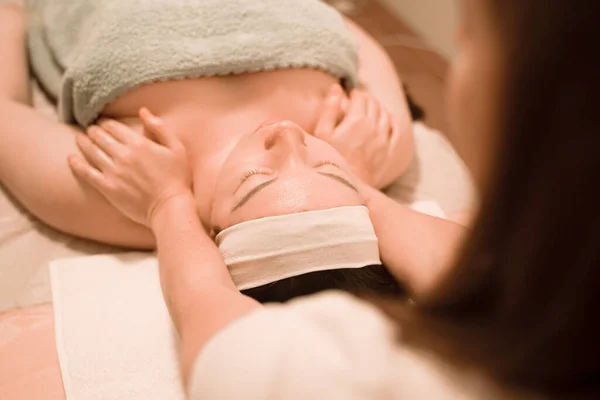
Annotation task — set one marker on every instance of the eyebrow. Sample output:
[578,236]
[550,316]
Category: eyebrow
[339,179]
[252,193]
[270,182]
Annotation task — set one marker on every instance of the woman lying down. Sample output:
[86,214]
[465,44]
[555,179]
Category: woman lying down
[267,129]
[260,128]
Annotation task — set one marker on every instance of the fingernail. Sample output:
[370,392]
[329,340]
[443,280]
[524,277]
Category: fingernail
[73,160]
[149,117]
[147,113]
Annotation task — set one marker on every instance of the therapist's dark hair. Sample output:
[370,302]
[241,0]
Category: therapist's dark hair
[523,302]
[372,280]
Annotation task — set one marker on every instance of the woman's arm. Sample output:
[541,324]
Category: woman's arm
[14,75]
[377,74]
[34,168]
[417,249]
[34,150]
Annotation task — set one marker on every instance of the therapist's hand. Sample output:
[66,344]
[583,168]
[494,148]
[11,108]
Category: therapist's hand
[135,174]
[361,130]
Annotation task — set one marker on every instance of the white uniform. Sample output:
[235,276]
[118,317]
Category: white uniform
[330,346]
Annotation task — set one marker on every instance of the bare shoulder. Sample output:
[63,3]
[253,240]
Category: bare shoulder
[12,7]
[12,16]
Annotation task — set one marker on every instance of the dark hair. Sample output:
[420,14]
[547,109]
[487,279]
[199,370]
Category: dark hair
[368,280]
[523,300]
[417,112]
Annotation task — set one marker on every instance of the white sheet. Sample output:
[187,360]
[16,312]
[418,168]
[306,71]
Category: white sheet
[114,336]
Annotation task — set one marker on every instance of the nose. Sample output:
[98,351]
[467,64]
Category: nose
[286,138]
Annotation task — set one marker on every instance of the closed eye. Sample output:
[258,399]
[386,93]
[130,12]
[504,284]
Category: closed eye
[250,173]
[326,162]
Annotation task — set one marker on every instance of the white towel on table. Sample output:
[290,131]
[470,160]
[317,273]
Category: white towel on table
[114,337]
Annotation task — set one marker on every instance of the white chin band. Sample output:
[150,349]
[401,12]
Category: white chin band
[271,249]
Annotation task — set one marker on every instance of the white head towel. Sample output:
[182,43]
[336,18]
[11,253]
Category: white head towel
[270,249]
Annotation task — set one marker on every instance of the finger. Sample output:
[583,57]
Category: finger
[394,135]
[84,171]
[384,125]
[156,127]
[105,141]
[358,104]
[377,149]
[119,131]
[380,145]
[373,109]
[345,104]
[93,154]
[357,110]
[331,113]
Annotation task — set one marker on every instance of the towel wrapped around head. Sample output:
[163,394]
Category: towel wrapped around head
[271,249]
[88,52]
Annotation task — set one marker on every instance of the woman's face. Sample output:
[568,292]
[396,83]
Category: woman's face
[473,89]
[280,169]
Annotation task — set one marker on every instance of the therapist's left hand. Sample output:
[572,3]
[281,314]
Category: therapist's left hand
[361,130]
[134,173]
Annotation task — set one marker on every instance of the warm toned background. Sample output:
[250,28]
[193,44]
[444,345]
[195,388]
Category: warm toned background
[421,68]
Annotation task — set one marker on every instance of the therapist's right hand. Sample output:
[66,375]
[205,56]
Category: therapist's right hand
[135,174]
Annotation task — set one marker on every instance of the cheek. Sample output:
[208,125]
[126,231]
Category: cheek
[219,216]
[214,191]
[221,204]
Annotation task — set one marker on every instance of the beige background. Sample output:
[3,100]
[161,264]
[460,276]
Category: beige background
[434,20]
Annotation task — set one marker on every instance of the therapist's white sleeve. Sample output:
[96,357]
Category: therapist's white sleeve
[329,346]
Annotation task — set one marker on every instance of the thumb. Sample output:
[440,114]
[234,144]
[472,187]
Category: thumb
[155,126]
[331,113]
